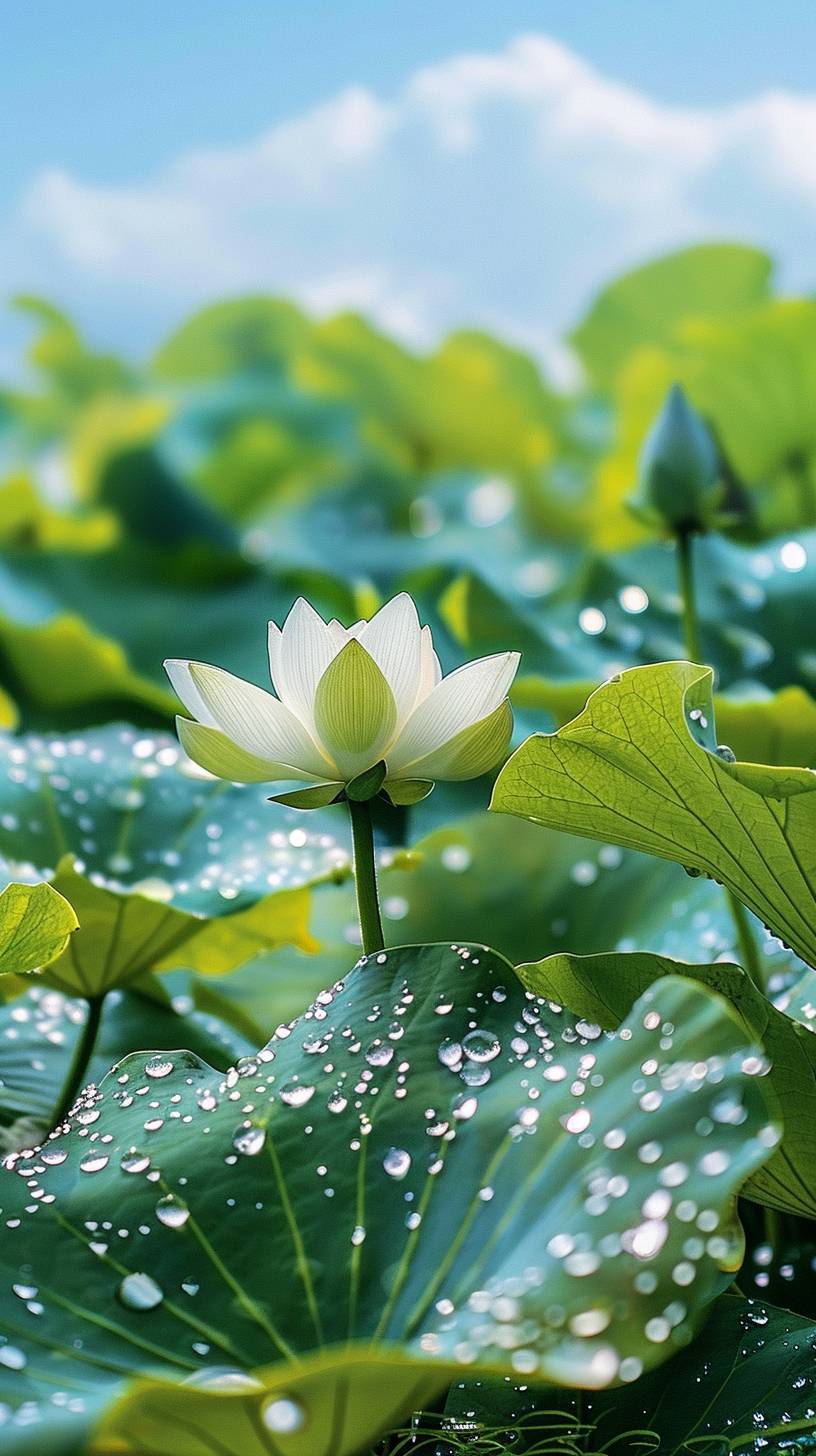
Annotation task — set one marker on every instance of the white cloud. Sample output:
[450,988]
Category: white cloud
[498,190]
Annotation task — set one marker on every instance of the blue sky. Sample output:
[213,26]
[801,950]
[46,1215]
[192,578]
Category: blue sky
[355,152]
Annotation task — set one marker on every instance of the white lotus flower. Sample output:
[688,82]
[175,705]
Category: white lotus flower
[347,700]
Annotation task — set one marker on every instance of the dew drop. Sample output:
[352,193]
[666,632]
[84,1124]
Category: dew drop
[86,1115]
[223,1379]
[134,1162]
[283,1415]
[464,1106]
[456,857]
[450,1053]
[249,1140]
[139,1291]
[94,1162]
[12,1358]
[158,1067]
[481,1046]
[124,796]
[296,1094]
[588,1030]
[379,1054]
[397,1162]
[473,1075]
[172,1212]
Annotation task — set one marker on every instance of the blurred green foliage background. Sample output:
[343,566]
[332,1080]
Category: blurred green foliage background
[170,509]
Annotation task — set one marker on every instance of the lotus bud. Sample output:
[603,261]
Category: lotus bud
[679,484]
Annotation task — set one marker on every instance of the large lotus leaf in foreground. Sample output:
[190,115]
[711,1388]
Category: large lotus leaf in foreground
[432,1170]
[639,767]
[748,1378]
[603,987]
[164,865]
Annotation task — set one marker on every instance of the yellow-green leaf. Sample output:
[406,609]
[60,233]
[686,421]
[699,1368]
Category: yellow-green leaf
[35,926]
[780,729]
[62,663]
[123,935]
[638,767]
[334,1404]
[713,280]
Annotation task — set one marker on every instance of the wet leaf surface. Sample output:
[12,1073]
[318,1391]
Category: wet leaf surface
[173,1225]
[163,865]
[745,1386]
[602,987]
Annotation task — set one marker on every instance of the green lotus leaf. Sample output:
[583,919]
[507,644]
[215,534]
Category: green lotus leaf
[646,306]
[582,617]
[125,934]
[61,353]
[602,988]
[745,1385]
[255,444]
[485,877]
[639,767]
[29,522]
[780,729]
[9,714]
[77,643]
[39,1030]
[63,664]
[226,338]
[473,402]
[163,865]
[481,618]
[35,926]
[432,1168]
[327,1404]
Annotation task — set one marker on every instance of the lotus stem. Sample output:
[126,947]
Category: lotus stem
[83,1051]
[688,595]
[746,944]
[365,876]
[745,941]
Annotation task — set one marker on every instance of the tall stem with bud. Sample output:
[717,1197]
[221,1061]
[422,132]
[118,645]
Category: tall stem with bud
[746,943]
